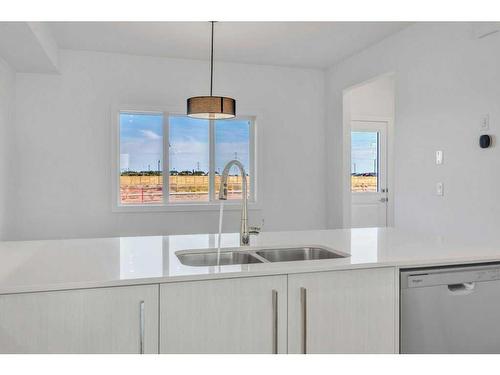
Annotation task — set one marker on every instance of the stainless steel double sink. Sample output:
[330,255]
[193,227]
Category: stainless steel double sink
[207,258]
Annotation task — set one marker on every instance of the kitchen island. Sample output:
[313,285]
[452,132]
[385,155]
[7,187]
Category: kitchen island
[133,295]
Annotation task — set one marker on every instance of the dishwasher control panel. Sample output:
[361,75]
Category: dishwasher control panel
[449,275]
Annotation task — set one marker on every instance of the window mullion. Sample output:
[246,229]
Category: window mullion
[252,159]
[211,161]
[166,159]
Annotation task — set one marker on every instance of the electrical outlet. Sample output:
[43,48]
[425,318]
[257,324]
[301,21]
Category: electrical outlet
[439,157]
[440,189]
[485,122]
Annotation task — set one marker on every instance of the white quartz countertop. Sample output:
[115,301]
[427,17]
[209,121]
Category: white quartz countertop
[28,266]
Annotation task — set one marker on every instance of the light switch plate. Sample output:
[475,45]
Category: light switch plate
[485,122]
[439,157]
[440,189]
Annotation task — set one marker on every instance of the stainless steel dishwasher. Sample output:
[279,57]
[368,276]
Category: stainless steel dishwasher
[451,310]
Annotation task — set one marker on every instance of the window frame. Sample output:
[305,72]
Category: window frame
[254,202]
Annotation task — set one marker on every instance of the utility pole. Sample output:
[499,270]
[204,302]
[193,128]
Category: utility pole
[158,179]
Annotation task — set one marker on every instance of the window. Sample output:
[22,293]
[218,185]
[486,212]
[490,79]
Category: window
[189,155]
[364,159]
[232,141]
[141,158]
[170,159]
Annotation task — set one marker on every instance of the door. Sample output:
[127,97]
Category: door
[104,320]
[350,311]
[368,174]
[240,315]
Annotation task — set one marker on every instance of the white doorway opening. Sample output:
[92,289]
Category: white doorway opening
[368,165]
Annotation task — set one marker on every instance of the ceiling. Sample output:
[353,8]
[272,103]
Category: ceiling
[28,47]
[298,44]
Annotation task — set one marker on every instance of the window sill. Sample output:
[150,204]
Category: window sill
[187,207]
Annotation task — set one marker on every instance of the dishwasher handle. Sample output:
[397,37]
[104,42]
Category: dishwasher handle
[462,288]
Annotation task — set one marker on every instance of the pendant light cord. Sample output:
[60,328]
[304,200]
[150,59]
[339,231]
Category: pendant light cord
[212,59]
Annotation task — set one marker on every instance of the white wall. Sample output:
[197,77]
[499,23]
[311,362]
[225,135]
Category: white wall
[373,99]
[446,79]
[7,87]
[62,143]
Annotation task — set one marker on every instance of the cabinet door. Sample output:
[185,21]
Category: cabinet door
[104,320]
[350,311]
[240,315]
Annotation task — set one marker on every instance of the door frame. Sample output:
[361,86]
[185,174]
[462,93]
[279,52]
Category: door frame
[379,126]
[347,201]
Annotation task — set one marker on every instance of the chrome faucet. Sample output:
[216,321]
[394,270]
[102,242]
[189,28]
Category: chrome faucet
[244,234]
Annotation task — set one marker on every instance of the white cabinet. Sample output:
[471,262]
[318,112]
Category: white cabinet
[240,315]
[104,320]
[351,311]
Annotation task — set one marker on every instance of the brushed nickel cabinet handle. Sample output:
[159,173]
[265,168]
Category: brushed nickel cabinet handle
[303,302]
[275,321]
[141,327]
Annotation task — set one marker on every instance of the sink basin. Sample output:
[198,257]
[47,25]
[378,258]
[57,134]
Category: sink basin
[299,253]
[207,259]
[201,258]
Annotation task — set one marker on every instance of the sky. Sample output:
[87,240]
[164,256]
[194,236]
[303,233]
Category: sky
[141,142]
[364,151]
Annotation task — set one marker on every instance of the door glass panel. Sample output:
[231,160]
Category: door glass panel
[364,161]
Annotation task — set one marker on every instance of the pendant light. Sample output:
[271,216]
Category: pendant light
[211,107]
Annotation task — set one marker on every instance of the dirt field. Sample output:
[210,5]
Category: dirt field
[364,183]
[148,189]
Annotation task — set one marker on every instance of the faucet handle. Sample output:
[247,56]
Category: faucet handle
[253,229]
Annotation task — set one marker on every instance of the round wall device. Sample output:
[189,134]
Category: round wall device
[484,141]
